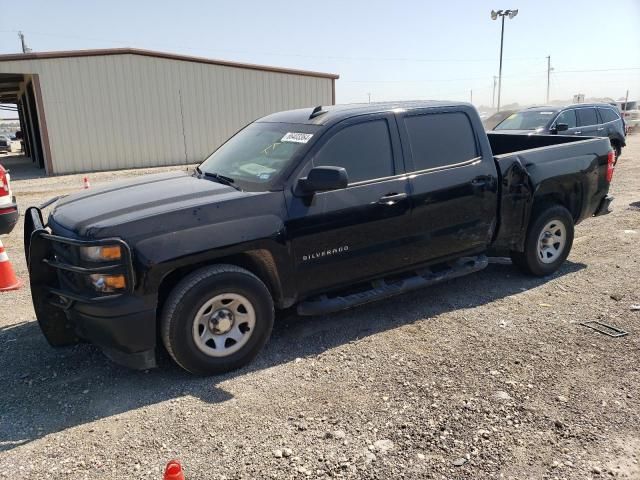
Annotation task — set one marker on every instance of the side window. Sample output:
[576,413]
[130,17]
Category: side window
[568,117]
[440,139]
[608,115]
[586,117]
[364,150]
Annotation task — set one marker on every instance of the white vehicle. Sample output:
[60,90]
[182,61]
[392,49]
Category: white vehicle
[630,113]
[5,143]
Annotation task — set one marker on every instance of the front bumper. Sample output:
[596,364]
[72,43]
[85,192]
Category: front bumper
[122,324]
[603,208]
[9,215]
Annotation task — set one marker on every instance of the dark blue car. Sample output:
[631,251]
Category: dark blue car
[583,119]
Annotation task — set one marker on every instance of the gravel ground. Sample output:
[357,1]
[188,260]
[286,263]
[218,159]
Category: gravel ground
[487,376]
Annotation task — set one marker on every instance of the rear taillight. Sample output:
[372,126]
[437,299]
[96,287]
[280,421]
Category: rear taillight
[4,182]
[611,157]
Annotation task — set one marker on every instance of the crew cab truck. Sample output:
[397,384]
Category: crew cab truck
[324,208]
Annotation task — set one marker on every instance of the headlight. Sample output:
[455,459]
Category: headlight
[107,283]
[105,253]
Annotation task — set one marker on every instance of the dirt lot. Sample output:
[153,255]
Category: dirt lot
[488,376]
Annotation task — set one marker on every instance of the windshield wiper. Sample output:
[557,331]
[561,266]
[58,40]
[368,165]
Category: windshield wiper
[219,178]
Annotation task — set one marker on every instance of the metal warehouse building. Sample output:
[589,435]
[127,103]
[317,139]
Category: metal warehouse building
[92,110]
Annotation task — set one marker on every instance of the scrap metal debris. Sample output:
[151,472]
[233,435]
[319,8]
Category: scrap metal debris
[605,329]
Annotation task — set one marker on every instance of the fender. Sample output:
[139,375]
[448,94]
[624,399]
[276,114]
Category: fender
[202,238]
[256,243]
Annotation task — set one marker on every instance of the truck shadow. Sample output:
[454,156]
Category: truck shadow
[47,390]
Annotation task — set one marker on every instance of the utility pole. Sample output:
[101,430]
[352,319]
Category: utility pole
[493,97]
[494,16]
[548,76]
[369,94]
[626,100]
[25,49]
[471,91]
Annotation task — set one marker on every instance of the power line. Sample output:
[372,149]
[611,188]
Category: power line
[597,70]
[302,55]
[527,75]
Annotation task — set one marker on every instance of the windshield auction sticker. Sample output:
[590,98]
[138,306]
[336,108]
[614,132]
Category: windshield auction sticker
[296,137]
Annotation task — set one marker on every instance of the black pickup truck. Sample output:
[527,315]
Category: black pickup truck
[324,208]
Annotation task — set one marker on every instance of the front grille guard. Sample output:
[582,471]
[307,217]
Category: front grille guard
[39,252]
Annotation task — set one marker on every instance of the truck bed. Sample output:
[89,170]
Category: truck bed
[567,170]
[504,143]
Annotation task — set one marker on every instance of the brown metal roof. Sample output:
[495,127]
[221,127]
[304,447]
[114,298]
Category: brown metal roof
[151,53]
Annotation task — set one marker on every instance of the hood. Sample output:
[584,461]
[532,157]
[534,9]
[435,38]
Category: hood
[138,202]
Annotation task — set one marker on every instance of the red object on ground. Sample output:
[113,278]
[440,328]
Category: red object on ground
[173,471]
[8,279]
[85,183]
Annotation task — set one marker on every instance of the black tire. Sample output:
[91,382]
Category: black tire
[530,261]
[191,294]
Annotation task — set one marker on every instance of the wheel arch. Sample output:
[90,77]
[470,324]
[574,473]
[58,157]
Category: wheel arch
[568,195]
[260,262]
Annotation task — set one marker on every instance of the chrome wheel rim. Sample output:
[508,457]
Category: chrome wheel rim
[552,241]
[223,325]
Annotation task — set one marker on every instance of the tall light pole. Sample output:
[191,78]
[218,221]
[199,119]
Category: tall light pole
[548,76]
[493,97]
[494,16]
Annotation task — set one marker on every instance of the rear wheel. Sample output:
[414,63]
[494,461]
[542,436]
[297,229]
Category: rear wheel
[217,319]
[548,243]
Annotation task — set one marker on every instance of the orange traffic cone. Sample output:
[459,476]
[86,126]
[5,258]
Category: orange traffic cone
[85,183]
[8,279]
[173,471]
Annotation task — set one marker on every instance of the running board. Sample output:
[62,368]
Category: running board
[383,289]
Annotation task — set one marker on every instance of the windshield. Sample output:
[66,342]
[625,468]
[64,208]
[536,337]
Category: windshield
[527,120]
[257,154]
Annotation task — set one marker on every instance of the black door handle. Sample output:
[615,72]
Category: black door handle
[480,184]
[392,198]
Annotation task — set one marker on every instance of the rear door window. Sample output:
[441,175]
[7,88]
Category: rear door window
[363,150]
[608,115]
[440,139]
[568,117]
[586,117]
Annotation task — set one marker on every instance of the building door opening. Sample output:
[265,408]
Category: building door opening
[19,89]
[33,126]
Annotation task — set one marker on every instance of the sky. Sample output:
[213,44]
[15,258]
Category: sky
[382,50]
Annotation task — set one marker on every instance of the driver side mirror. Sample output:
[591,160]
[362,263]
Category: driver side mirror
[322,179]
[561,127]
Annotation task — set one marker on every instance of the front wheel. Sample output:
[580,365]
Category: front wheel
[548,243]
[217,319]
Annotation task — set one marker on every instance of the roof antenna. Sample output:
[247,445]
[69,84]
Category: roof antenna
[317,111]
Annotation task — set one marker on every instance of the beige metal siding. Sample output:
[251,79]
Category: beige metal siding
[126,111]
